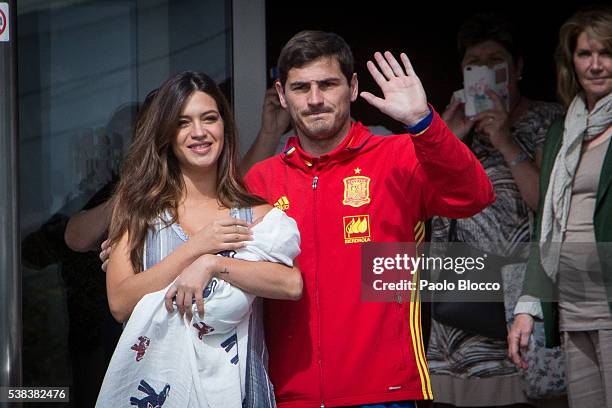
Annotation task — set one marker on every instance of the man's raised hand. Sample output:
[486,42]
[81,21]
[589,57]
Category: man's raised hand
[404,98]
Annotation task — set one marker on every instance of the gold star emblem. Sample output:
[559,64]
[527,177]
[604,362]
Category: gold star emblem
[357,170]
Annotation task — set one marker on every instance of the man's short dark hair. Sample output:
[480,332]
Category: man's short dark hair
[488,26]
[309,45]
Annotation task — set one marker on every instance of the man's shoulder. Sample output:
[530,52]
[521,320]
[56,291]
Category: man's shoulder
[267,165]
[399,144]
[391,138]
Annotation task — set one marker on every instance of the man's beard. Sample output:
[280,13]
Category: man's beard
[322,129]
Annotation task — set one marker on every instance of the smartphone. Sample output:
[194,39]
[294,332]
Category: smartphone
[477,79]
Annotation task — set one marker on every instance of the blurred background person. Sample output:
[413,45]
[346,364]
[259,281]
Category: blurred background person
[82,274]
[467,368]
[275,121]
[73,243]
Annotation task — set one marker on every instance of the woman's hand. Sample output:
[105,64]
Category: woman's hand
[455,119]
[495,124]
[518,338]
[105,250]
[225,234]
[190,284]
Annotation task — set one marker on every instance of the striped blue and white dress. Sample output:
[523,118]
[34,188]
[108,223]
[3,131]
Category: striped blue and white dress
[162,240]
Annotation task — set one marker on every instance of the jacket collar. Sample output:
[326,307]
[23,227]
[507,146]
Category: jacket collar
[356,138]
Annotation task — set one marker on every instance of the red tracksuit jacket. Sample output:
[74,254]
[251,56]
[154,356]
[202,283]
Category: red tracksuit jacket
[330,348]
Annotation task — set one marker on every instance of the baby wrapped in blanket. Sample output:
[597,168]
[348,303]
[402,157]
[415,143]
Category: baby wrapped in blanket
[163,360]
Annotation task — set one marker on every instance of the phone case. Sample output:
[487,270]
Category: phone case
[477,79]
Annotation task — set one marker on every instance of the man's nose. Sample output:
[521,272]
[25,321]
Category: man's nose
[315,97]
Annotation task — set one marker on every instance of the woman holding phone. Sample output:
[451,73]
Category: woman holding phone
[470,368]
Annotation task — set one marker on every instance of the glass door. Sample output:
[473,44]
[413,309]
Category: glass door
[84,67]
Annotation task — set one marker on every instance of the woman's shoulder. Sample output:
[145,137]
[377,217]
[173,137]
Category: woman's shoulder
[546,111]
[532,127]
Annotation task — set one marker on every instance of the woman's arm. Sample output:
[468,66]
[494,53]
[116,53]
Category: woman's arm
[274,280]
[125,287]
[196,265]
[225,234]
[495,123]
[260,278]
[526,173]
[264,279]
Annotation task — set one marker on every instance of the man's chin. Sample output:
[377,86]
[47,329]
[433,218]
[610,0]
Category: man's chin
[321,129]
[320,132]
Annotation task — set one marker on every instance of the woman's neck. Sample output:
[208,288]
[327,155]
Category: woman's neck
[591,100]
[199,186]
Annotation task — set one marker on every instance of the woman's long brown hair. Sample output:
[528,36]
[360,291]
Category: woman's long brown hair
[151,180]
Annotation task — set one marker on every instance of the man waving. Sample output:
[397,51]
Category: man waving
[345,186]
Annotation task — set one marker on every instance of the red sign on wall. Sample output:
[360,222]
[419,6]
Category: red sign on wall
[4,22]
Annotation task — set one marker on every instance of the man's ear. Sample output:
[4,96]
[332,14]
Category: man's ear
[354,87]
[281,94]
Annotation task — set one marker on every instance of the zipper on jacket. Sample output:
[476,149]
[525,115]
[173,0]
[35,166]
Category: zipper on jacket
[315,181]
